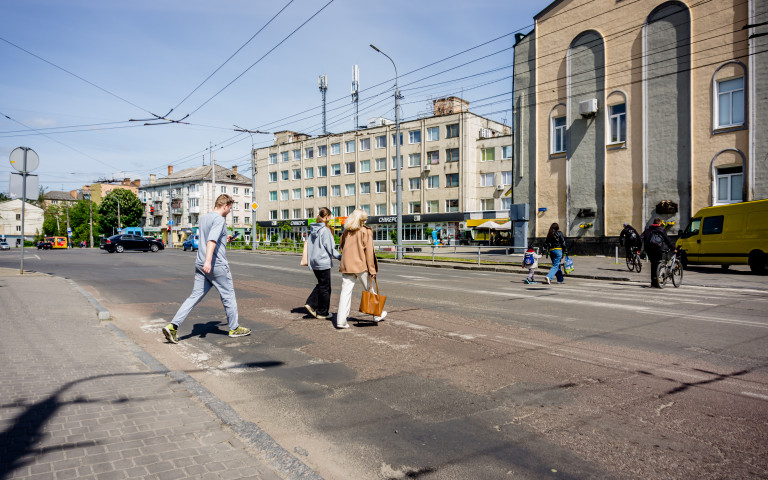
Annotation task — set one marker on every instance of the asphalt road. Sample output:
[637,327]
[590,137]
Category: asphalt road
[472,375]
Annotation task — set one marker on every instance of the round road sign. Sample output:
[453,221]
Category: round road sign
[17,159]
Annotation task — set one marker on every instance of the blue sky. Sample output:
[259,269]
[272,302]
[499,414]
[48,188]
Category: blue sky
[146,56]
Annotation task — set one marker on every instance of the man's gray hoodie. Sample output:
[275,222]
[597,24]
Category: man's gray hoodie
[320,248]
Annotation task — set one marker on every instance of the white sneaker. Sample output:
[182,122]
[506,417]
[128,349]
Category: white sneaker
[547,279]
[311,310]
[346,325]
[383,315]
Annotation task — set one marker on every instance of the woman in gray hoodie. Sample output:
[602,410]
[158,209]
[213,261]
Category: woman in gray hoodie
[320,255]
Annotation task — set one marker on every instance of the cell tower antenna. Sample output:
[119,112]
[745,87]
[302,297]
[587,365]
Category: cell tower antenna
[322,83]
[356,94]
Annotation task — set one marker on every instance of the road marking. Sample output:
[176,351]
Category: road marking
[755,395]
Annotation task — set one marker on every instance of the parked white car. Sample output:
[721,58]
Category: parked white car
[4,245]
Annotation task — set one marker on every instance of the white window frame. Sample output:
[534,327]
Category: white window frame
[365,186]
[433,134]
[381,141]
[728,178]
[322,171]
[322,191]
[507,152]
[272,158]
[335,148]
[484,154]
[349,146]
[335,190]
[414,206]
[322,150]
[349,168]
[380,164]
[297,174]
[284,156]
[414,159]
[309,172]
[414,183]
[272,177]
[436,204]
[414,137]
[365,166]
[381,211]
[506,178]
[484,179]
[285,195]
[726,99]
[484,204]
[365,144]
[297,155]
[448,130]
[433,182]
[383,184]
[335,169]
[617,124]
[558,132]
[296,194]
[449,208]
[309,153]
[349,187]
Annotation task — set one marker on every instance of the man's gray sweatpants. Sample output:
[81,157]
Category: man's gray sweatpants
[221,278]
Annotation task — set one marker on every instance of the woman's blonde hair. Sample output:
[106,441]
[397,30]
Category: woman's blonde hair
[356,220]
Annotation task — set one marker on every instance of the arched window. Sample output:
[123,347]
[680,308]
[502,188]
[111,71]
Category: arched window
[729,97]
[616,112]
[558,129]
[728,177]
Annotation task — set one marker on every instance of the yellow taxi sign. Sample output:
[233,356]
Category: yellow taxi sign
[254,206]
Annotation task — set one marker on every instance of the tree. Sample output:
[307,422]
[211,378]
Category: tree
[53,223]
[131,210]
[79,217]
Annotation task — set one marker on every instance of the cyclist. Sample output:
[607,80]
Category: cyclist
[630,240]
[657,243]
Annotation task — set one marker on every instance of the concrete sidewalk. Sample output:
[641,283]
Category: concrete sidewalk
[80,400]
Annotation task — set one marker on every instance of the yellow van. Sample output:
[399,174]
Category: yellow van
[735,234]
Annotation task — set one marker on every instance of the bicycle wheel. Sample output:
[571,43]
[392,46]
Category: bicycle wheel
[661,274]
[631,263]
[677,274]
[637,262]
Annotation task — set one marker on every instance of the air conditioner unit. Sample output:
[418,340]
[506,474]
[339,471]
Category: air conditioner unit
[427,167]
[500,188]
[588,107]
[462,225]
[485,133]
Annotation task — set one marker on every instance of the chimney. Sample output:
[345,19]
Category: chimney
[125,182]
[152,178]
[73,193]
[234,170]
[136,183]
[170,170]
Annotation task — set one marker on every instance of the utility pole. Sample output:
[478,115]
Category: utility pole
[323,85]
[69,236]
[253,182]
[170,215]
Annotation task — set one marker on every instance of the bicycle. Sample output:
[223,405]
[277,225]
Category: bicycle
[633,262]
[670,269]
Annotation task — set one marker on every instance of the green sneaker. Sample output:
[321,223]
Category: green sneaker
[239,332]
[170,333]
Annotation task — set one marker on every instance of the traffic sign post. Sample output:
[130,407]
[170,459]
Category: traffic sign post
[24,160]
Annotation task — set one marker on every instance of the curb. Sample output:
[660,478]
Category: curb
[275,456]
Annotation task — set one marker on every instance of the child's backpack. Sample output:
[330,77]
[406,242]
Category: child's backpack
[528,259]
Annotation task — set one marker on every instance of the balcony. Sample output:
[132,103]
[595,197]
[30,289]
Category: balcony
[195,209]
[177,211]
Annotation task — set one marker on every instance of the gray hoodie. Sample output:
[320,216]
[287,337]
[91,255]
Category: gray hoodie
[320,248]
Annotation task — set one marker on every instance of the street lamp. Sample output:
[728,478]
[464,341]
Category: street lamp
[87,196]
[398,163]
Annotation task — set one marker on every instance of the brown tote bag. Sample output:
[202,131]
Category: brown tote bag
[372,303]
[304,255]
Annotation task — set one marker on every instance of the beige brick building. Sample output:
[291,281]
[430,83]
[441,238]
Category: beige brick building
[456,165]
[625,111]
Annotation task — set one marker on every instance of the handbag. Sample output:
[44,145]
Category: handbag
[568,265]
[304,255]
[372,303]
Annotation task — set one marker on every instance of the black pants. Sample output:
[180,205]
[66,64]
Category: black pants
[655,257]
[320,298]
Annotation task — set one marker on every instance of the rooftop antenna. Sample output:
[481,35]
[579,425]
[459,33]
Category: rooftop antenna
[356,94]
[322,83]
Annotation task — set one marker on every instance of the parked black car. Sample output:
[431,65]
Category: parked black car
[123,242]
[44,245]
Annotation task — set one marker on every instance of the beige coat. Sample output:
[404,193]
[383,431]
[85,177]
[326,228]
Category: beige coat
[357,251]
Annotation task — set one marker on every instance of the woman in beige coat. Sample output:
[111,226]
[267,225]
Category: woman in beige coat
[357,263]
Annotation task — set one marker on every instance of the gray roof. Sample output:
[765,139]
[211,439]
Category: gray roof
[60,196]
[196,174]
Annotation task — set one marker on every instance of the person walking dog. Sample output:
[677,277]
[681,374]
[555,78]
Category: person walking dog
[211,270]
[320,255]
[357,263]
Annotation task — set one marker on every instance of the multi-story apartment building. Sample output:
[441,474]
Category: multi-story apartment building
[625,111]
[455,166]
[10,222]
[182,197]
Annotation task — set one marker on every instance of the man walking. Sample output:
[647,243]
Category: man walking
[657,243]
[211,269]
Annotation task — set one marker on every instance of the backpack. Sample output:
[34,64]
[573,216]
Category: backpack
[656,240]
[528,259]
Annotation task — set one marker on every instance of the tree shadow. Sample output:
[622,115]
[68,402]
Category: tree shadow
[683,386]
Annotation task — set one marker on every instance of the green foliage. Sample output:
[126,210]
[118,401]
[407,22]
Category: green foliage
[273,238]
[393,236]
[130,210]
